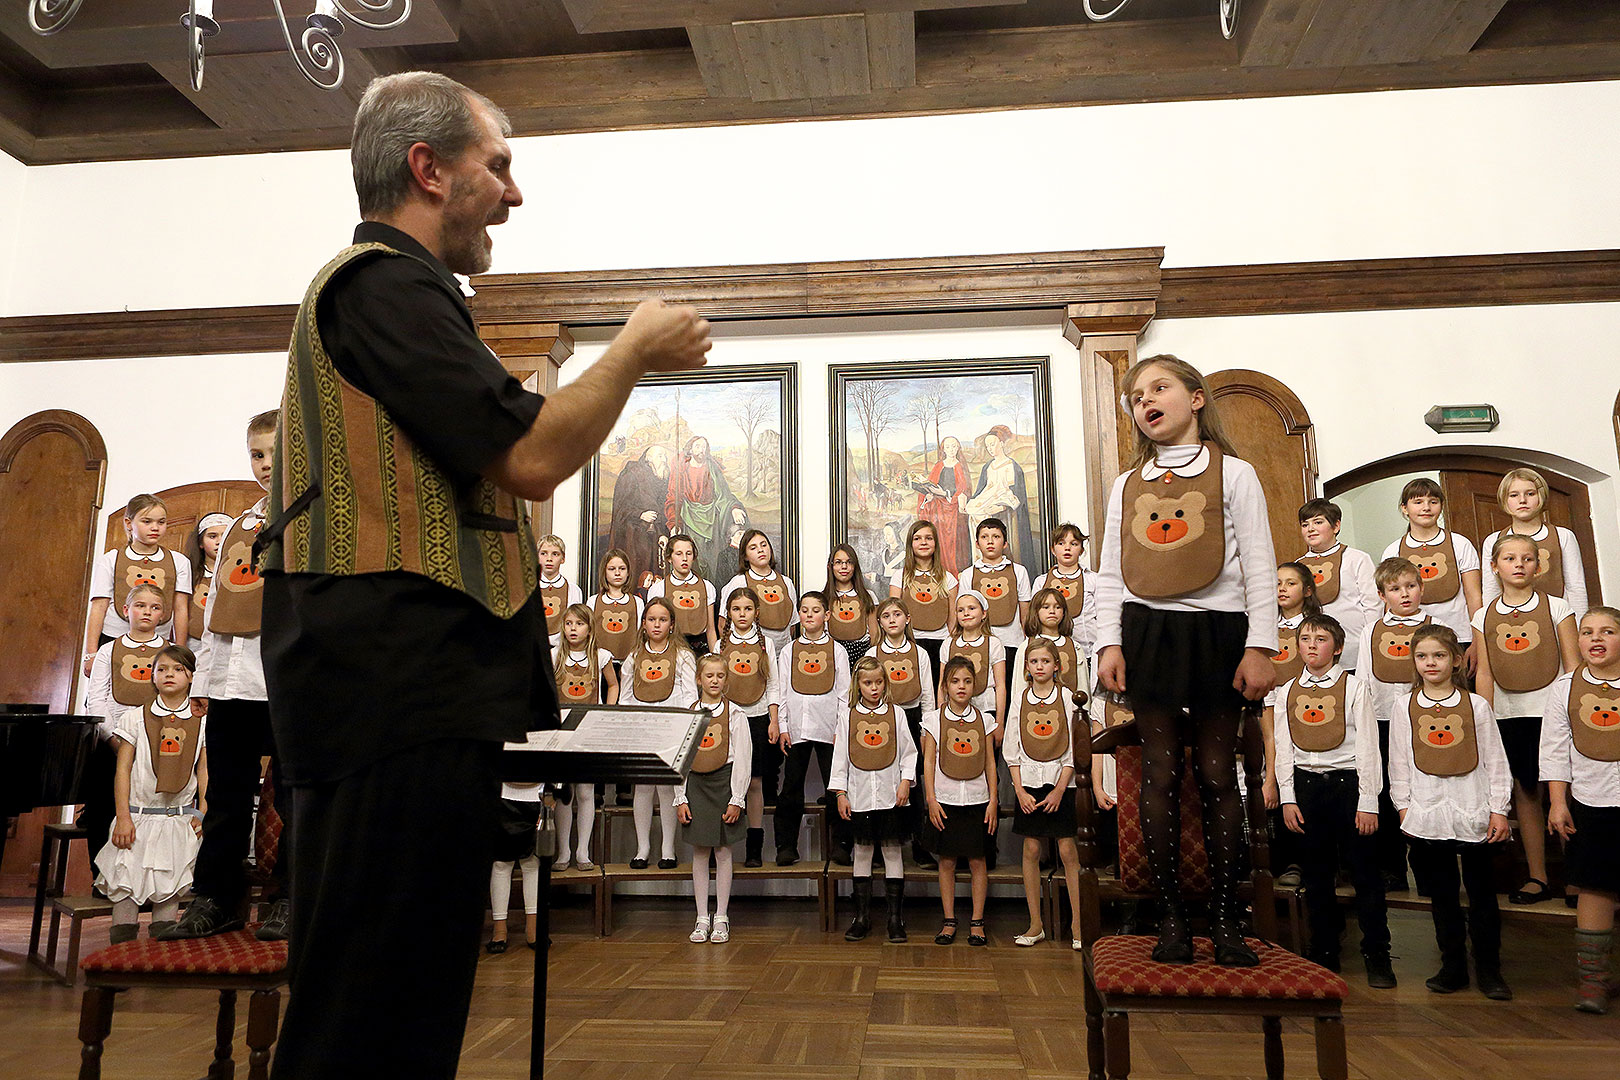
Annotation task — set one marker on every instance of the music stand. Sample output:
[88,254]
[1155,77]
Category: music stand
[595,744]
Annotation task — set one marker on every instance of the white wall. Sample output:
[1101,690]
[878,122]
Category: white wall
[13,181]
[1433,172]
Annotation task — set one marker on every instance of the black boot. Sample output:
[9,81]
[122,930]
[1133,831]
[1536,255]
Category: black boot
[1226,934]
[863,910]
[894,892]
[755,848]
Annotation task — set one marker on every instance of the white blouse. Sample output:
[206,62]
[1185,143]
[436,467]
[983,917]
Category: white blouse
[1592,782]
[868,790]
[1569,550]
[958,792]
[1359,751]
[1031,773]
[1449,807]
[739,755]
[811,718]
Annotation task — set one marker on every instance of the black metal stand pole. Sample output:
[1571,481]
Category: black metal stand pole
[546,849]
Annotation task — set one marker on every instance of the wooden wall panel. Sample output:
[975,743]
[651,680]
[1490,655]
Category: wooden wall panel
[1271,430]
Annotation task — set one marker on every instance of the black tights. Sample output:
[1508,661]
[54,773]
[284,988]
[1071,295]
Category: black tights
[1213,737]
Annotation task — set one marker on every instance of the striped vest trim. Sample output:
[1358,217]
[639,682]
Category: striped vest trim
[351,494]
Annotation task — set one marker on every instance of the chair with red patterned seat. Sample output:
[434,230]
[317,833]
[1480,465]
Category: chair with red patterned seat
[1121,976]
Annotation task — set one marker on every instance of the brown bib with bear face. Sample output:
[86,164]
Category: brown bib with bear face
[845,619]
[1116,713]
[1392,653]
[1043,728]
[980,656]
[871,739]
[691,604]
[714,746]
[1523,646]
[1550,567]
[1286,661]
[236,603]
[1173,535]
[1443,738]
[132,671]
[576,685]
[1072,588]
[1325,569]
[904,672]
[1316,715]
[1068,662]
[746,673]
[653,674]
[173,743]
[199,606]
[775,605]
[926,601]
[1594,718]
[813,668]
[1000,591]
[555,600]
[158,572]
[615,626]
[1436,566]
[961,745]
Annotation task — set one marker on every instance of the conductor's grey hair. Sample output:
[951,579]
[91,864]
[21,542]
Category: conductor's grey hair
[398,111]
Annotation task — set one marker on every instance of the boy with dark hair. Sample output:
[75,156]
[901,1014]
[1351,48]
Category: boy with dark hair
[1344,575]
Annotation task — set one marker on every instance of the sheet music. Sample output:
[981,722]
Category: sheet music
[603,743]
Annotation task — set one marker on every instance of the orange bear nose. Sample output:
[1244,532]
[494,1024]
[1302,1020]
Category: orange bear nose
[1429,572]
[1441,738]
[707,742]
[961,746]
[812,667]
[654,674]
[925,597]
[872,738]
[1167,532]
[687,602]
[1313,716]
[1400,649]
[1280,657]
[242,574]
[992,591]
[900,676]
[742,667]
[169,746]
[1518,644]
[1605,718]
[1043,727]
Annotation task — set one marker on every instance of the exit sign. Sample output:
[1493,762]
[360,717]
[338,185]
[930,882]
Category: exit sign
[1450,418]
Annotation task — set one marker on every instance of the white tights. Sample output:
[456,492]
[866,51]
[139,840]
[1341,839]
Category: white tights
[582,810]
[129,912]
[643,812]
[891,860]
[722,879]
[500,887]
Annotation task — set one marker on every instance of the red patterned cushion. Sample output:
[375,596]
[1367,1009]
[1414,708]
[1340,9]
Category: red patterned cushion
[267,833]
[1124,964]
[235,953]
[1133,869]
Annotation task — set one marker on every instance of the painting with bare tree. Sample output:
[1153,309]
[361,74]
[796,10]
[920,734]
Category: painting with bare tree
[952,442]
[708,453]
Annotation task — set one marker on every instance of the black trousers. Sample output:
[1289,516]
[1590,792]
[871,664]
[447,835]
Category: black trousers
[919,803]
[1391,841]
[238,736]
[790,800]
[389,888]
[97,784]
[1328,803]
[1435,862]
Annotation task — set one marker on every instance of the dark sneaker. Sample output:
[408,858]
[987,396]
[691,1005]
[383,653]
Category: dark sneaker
[122,932]
[1380,974]
[204,918]
[1493,986]
[1448,980]
[159,928]
[274,927]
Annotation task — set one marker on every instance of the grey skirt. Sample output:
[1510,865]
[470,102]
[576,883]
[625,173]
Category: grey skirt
[708,795]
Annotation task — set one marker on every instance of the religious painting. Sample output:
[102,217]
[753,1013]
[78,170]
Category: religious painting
[954,442]
[711,454]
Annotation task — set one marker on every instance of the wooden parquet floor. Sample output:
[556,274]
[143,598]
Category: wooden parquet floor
[784,1001]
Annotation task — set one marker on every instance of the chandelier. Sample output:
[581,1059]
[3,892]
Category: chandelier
[1228,13]
[315,51]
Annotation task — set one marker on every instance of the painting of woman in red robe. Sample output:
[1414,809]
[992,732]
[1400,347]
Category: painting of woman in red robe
[947,479]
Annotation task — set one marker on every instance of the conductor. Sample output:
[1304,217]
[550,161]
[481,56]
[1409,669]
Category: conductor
[403,640]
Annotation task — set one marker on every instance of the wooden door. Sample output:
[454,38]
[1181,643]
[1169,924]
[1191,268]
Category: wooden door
[52,468]
[187,505]
[1471,508]
[1271,430]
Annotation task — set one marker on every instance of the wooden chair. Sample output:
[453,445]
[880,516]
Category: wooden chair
[1120,975]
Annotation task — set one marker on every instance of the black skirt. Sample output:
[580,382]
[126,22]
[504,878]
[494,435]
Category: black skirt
[515,833]
[857,649]
[964,836]
[1059,823]
[1592,860]
[891,825]
[1182,659]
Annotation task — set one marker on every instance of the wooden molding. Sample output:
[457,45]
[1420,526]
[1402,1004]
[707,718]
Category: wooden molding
[175,332]
[65,422]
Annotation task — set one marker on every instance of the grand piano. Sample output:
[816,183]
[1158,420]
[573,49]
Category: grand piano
[42,759]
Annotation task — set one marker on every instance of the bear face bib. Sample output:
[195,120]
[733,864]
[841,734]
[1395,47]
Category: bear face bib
[1443,737]
[1594,718]
[1000,591]
[746,673]
[199,606]
[961,744]
[1523,645]
[926,601]
[173,741]
[1392,653]
[813,667]
[1550,567]
[714,745]
[1068,662]
[691,604]
[1436,565]
[1286,661]
[1173,531]
[615,626]
[653,674]
[871,739]
[1325,570]
[555,598]
[775,604]
[1043,727]
[132,671]
[236,604]
[1072,588]
[979,654]
[157,571]
[904,672]
[846,618]
[1116,712]
[577,684]
[1316,715]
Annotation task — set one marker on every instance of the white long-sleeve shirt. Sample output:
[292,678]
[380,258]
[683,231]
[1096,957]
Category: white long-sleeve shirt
[1449,807]
[1591,782]
[1085,626]
[1031,773]
[739,755]
[958,792]
[98,696]
[1453,612]
[811,717]
[1357,603]
[229,666]
[870,790]
[1532,702]
[1574,570]
[1248,580]
[1359,751]
[681,695]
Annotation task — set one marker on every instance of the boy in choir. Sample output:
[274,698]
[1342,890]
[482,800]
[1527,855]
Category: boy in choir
[558,593]
[1344,575]
[1004,585]
[812,689]
[1447,562]
[1068,577]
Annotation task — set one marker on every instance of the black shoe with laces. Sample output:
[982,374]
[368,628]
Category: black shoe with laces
[1491,983]
[1380,973]
[1448,980]
[276,921]
[204,918]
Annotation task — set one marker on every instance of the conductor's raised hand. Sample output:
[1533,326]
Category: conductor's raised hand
[663,337]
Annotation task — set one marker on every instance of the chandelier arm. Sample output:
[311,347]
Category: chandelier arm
[378,10]
[47,17]
[316,53]
[1229,18]
[1095,16]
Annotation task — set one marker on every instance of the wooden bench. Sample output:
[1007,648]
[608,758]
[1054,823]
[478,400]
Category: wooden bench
[77,909]
[51,884]
[1005,874]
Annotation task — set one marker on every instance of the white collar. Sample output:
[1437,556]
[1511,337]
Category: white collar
[1029,694]
[1186,460]
[751,639]
[904,646]
[260,508]
[860,706]
[1450,699]
[1391,619]
[1291,622]
[1439,538]
[135,556]
[576,657]
[947,711]
[606,599]
[160,709]
[650,651]
[762,577]
[980,564]
[131,643]
[1334,550]
[552,583]
[982,639]
[1057,639]
[1504,608]
[1056,573]
[712,707]
[826,636]
[1332,676]
[1612,684]
[1539,534]
[673,580]
[851,591]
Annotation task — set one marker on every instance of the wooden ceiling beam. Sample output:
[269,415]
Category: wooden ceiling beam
[806,59]
[265,92]
[1357,33]
[608,16]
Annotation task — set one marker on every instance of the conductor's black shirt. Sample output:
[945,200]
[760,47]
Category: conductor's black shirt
[357,667]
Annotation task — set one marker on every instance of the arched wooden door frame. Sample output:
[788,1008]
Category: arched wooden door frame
[1296,421]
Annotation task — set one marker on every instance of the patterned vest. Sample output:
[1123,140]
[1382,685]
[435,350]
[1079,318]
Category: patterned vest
[351,494]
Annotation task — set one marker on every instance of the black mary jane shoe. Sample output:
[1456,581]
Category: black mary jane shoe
[495,948]
[1522,895]
[980,938]
[942,938]
[638,864]
[667,864]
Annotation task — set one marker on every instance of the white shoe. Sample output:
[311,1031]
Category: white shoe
[1079,946]
[560,865]
[1026,940]
[722,930]
[700,932]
